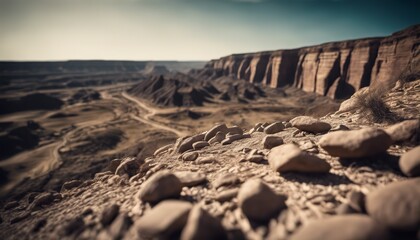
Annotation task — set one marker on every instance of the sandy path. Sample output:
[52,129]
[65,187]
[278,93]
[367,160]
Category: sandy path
[149,113]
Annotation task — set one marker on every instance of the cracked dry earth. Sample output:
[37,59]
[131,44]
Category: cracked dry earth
[303,179]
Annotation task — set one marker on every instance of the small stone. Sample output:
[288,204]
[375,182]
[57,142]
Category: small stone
[272,141]
[274,128]
[162,185]
[129,166]
[71,184]
[310,124]
[200,145]
[190,179]
[109,214]
[163,149]
[227,179]
[187,144]
[164,220]
[74,226]
[227,195]
[343,227]
[202,226]
[396,205]
[256,158]
[235,130]
[356,143]
[206,160]
[258,202]
[408,130]
[11,205]
[222,128]
[219,137]
[234,138]
[290,158]
[42,199]
[410,162]
[190,156]
[357,200]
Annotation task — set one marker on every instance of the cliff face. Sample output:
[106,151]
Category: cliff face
[336,69]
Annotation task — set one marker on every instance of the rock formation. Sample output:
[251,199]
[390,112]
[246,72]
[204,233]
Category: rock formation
[335,69]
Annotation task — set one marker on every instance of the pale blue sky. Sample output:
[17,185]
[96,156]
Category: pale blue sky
[187,29]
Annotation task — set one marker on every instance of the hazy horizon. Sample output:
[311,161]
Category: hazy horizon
[187,30]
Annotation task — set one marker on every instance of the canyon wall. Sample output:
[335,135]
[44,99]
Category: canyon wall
[336,69]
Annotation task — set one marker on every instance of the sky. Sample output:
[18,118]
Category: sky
[188,29]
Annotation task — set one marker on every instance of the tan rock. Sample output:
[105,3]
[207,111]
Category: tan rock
[199,145]
[233,138]
[213,131]
[356,143]
[129,166]
[187,144]
[162,185]
[190,179]
[217,138]
[410,162]
[405,131]
[227,179]
[310,124]
[396,205]
[164,220]
[290,158]
[274,128]
[235,130]
[258,202]
[190,156]
[163,149]
[202,226]
[346,227]
[272,141]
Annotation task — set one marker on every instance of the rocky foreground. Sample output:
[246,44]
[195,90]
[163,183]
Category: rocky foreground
[329,178]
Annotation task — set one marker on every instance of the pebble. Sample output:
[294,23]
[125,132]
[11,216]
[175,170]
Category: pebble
[164,220]
[356,143]
[310,124]
[396,205]
[274,128]
[200,145]
[206,160]
[343,227]
[258,202]
[163,149]
[290,158]
[202,226]
[272,141]
[410,162]
[190,179]
[162,185]
[219,137]
[71,184]
[222,128]
[190,156]
[235,130]
[187,144]
[109,214]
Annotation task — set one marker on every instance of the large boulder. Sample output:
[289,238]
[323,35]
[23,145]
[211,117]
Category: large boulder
[310,124]
[396,205]
[290,158]
[356,143]
[346,227]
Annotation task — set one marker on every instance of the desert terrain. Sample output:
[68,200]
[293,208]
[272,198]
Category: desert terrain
[234,148]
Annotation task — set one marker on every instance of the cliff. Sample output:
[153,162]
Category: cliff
[335,69]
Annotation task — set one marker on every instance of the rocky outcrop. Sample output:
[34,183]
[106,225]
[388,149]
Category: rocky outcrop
[336,69]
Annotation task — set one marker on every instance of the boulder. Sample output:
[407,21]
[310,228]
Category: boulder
[408,130]
[396,205]
[310,124]
[410,162]
[290,158]
[356,143]
[345,227]
[258,202]
[202,226]
[162,185]
[164,220]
